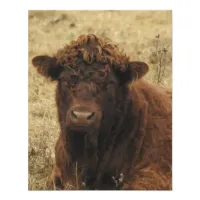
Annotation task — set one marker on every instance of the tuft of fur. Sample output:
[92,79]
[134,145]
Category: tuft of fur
[91,49]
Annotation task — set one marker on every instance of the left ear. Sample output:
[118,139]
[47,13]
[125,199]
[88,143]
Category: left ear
[135,70]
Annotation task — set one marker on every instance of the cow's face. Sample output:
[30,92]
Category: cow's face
[85,89]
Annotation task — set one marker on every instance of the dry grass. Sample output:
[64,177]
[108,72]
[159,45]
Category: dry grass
[134,31]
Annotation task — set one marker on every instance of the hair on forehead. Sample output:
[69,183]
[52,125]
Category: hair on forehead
[92,49]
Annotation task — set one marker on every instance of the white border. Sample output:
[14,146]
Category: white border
[14,98]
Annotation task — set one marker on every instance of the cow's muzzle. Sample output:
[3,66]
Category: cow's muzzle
[81,117]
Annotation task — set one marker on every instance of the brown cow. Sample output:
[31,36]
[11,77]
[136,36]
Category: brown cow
[115,134]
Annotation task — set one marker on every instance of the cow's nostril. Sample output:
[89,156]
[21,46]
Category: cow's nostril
[73,115]
[91,116]
[82,116]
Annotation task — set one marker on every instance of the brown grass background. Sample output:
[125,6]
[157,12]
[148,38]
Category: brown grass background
[134,31]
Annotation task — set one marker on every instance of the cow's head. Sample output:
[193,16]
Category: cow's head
[90,73]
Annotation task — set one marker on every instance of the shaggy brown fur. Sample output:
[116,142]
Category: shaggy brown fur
[131,134]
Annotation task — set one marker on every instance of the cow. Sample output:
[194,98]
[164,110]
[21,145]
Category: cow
[116,127]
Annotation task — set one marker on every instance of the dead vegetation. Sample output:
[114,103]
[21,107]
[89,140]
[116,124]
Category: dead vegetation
[160,57]
[134,31]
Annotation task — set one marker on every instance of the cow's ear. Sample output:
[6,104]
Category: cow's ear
[135,70]
[47,66]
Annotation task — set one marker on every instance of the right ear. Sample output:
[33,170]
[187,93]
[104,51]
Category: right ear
[47,66]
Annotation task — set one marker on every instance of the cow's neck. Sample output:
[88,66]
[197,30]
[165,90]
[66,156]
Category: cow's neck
[115,118]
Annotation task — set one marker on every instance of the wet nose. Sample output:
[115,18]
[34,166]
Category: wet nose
[82,117]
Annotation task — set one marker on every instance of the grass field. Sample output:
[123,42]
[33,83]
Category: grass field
[134,31]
